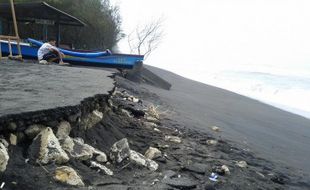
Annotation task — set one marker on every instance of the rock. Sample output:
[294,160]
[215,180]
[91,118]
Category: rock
[46,148]
[141,160]
[197,168]
[4,157]
[225,169]
[103,168]
[68,176]
[149,125]
[126,113]
[92,119]
[12,126]
[4,142]
[100,156]
[34,130]
[180,183]
[63,130]
[81,151]
[13,139]
[152,119]
[242,164]
[152,153]
[120,151]
[212,142]
[215,128]
[67,144]
[173,139]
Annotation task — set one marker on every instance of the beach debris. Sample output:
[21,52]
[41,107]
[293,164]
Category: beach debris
[13,139]
[221,170]
[173,139]
[63,130]
[153,111]
[241,164]
[68,176]
[81,151]
[33,130]
[225,169]
[212,142]
[46,148]
[215,128]
[91,119]
[101,167]
[153,153]
[4,157]
[260,174]
[213,177]
[120,151]
[2,185]
[139,159]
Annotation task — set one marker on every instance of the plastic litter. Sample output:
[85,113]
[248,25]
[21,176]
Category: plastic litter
[213,177]
[2,185]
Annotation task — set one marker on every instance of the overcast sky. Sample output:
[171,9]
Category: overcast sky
[210,34]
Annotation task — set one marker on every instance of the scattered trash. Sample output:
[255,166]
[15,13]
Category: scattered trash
[27,160]
[213,177]
[2,185]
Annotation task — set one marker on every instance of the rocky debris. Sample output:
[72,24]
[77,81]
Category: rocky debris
[149,125]
[4,142]
[120,151]
[139,159]
[4,157]
[221,170]
[100,156]
[92,119]
[103,168]
[152,119]
[46,148]
[81,151]
[152,112]
[153,153]
[67,144]
[212,142]
[13,139]
[197,168]
[68,176]
[63,130]
[215,128]
[33,130]
[225,169]
[241,164]
[173,139]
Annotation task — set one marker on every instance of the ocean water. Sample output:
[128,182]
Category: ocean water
[287,88]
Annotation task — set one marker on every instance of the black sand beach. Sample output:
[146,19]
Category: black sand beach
[273,143]
[272,133]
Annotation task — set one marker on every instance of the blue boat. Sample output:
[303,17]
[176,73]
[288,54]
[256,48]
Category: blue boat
[93,59]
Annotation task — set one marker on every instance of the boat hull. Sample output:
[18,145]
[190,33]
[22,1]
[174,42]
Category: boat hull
[125,61]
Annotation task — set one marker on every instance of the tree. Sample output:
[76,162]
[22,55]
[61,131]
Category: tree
[145,39]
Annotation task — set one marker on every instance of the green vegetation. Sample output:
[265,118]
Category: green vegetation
[102,19]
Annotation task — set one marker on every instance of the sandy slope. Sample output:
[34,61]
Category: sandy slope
[272,133]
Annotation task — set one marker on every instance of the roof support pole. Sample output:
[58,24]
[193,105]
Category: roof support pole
[57,32]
